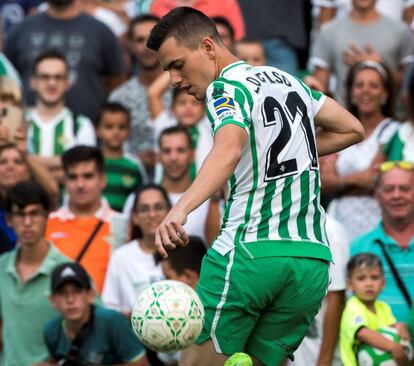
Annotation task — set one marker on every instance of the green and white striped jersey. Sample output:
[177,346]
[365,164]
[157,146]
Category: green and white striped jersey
[401,144]
[273,207]
[52,138]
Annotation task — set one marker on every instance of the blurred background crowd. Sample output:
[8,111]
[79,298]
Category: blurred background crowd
[95,147]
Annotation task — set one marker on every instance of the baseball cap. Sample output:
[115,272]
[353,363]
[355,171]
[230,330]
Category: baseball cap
[69,272]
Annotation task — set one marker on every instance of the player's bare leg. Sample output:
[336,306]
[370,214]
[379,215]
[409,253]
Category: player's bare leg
[205,355]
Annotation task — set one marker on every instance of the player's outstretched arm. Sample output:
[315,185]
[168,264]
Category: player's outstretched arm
[218,166]
[338,128]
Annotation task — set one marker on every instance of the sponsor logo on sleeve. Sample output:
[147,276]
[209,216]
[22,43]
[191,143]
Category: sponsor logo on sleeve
[224,104]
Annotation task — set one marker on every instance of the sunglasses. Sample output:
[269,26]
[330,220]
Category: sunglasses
[402,164]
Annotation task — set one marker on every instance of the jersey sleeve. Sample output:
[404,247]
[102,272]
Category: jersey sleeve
[229,103]
[317,98]
[353,319]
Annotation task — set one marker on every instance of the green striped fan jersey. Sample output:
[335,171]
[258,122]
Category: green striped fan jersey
[123,176]
[401,144]
[273,207]
[52,138]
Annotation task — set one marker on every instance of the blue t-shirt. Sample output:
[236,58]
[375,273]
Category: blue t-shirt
[403,260]
[110,341]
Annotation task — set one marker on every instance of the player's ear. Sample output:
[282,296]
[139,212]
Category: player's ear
[208,47]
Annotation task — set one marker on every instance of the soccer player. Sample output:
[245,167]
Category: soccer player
[264,278]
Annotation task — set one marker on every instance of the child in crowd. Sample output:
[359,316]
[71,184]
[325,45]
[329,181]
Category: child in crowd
[364,315]
[85,333]
[124,173]
[184,263]
[185,111]
[252,52]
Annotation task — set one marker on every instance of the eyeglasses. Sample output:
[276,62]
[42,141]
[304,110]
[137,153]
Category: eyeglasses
[402,164]
[157,208]
[33,215]
[55,77]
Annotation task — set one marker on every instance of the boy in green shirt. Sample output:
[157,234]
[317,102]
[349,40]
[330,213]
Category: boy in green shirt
[364,315]
[124,173]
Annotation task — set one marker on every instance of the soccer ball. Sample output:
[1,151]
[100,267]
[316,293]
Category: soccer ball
[371,356]
[167,316]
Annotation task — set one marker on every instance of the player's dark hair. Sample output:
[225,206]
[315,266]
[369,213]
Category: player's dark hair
[226,24]
[363,260]
[187,25]
[188,257]
[50,54]
[27,193]
[80,154]
[388,108]
[173,131]
[135,230]
[112,107]
[139,19]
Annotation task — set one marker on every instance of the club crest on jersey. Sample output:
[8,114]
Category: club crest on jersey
[224,104]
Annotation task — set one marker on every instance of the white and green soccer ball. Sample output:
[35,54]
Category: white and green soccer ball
[167,316]
[371,356]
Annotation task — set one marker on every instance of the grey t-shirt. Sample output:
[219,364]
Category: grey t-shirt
[390,38]
[91,49]
[133,95]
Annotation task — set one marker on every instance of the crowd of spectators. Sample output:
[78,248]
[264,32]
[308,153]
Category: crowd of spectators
[96,146]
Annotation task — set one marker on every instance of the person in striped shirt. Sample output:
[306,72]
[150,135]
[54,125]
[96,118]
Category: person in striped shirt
[263,279]
[54,128]
[124,172]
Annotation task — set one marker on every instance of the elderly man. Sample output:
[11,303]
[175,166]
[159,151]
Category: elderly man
[393,239]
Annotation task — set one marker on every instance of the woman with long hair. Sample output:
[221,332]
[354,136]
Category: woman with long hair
[349,175]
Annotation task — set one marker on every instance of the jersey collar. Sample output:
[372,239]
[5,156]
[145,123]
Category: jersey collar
[228,67]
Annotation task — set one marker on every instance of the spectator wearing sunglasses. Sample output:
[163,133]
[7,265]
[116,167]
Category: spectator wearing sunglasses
[393,238]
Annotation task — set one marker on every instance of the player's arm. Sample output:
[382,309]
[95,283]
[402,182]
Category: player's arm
[218,166]
[377,340]
[338,128]
[332,320]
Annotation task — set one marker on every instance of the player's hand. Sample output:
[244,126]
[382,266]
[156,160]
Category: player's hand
[399,354]
[171,232]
